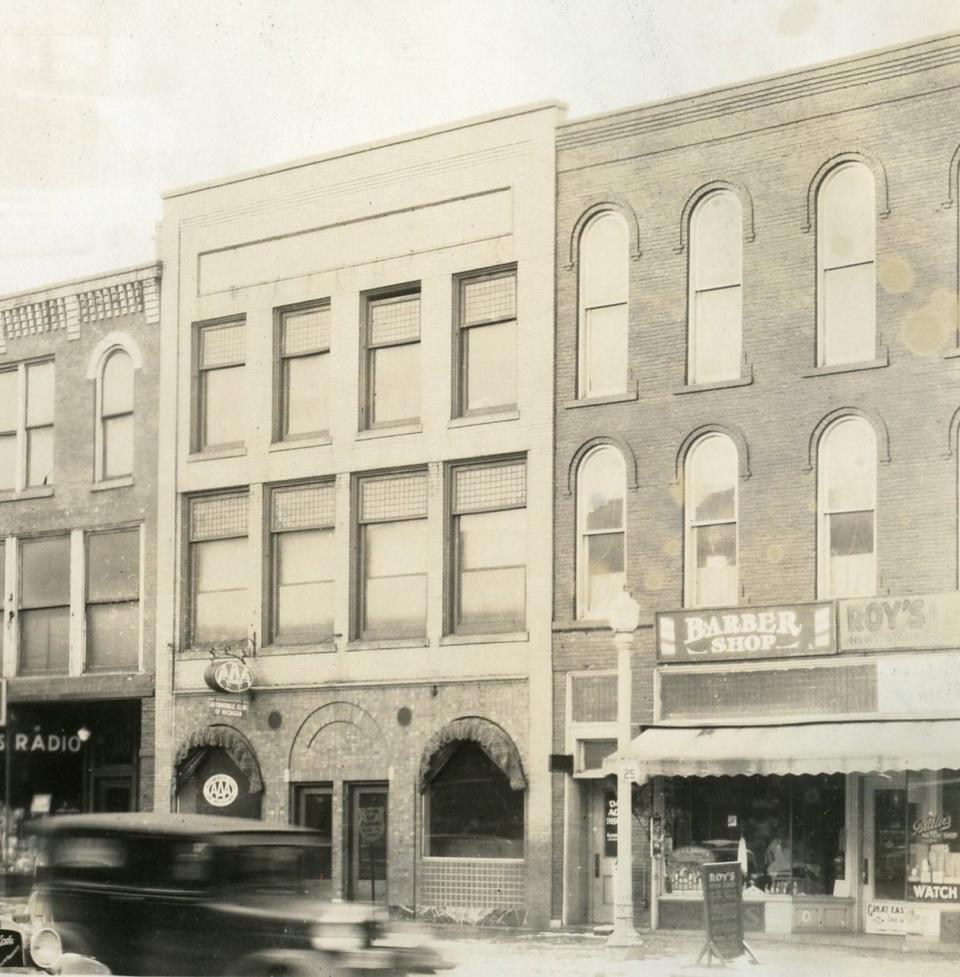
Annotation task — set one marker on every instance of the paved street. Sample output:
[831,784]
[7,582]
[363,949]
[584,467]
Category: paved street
[675,956]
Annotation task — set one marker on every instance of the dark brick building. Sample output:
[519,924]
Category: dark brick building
[756,410]
[78,474]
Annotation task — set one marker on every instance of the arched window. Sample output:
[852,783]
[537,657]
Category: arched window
[715,303]
[601,487]
[847,503]
[710,493]
[115,410]
[604,267]
[471,809]
[846,266]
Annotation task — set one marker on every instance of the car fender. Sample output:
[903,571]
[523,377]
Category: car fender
[285,963]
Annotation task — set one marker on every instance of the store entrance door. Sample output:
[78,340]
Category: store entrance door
[885,816]
[367,842]
[603,850]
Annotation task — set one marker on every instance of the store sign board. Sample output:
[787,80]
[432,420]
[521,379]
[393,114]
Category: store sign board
[231,675]
[782,631]
[918,684]
[901,919]
[39,742]
[235,707]
[723,908]
[220,790]
[892,623]
[610,821]
[933,892]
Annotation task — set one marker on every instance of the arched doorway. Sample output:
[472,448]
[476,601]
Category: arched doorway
[216,772]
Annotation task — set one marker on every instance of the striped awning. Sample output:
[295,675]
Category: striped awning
[808,748]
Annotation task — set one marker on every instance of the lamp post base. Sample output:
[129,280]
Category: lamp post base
[624,934]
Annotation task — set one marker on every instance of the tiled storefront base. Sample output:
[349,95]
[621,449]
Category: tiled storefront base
[471,892]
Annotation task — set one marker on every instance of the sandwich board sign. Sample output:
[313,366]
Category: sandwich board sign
[723,912]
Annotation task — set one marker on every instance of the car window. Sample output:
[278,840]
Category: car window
[89,857]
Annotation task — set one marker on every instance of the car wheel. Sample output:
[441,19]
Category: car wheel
[284,965]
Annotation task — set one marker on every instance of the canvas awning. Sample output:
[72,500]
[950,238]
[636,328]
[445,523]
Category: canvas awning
[194,749]
[491,738]
[809,748]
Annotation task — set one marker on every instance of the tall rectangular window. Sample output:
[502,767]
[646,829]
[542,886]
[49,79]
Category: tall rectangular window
[303,402]
[113,600]
[219,597]
[302,563]
[26,426]
[392,360]
[489,571]
[221,355]
[487,342]
[44,606]
[392,534]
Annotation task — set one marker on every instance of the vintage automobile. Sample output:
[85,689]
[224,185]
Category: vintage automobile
[194,894]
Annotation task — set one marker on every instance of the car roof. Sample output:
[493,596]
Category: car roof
[159,823]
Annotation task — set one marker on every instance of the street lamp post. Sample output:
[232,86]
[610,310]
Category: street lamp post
[624,616]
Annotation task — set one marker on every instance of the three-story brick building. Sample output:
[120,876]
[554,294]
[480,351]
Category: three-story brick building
[756,427]
[356,511]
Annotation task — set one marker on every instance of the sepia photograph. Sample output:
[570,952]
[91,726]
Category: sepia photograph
[480,488]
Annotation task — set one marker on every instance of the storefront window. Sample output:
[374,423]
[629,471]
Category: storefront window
[932,834]
[473,812]
[793,830]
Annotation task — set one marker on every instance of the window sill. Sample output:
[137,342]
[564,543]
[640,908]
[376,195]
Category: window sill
[470,419]
[820,371]
[234,451]
[501,637]
[38,492]
[377,644]
[440,859]
[693,388]
[623,398]
[112,483]
[387,432]
[952,354]
[319,440]
[307,648]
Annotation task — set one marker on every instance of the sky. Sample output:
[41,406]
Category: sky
[105,104]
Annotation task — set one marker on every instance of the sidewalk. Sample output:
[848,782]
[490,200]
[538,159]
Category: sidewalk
[674,955]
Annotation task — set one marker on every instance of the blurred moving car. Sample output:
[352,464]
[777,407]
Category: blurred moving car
[192,894]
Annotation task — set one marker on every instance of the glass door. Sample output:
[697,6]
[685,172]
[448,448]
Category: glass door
[603,850]
[885,837]
[367,842]
[313,808]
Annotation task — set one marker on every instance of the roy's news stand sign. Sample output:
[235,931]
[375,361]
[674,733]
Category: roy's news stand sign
[723,912]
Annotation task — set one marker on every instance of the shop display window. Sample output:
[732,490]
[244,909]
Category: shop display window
[471,809]
[790,831]
[932,836]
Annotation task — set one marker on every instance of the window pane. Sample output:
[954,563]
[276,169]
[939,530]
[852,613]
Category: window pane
[606,351]
[847,216]
[222,406]
[473,812]
[113,566]
[118,446]
[849,314]
[604,261]
[396,383]
[306,386]
[44,641]
[45,572]
[117,390]
[850,465]
[113,633]
[716,240]
[492,571]
[222,345]
[221,600]
[716,335]
[304,584]
[604,568]
[39,394]
[40,456]
[852,559]
[491,361]
[713,480]
[602,489]
[8,400]
[395,589]
[8,462]
[716,565]
[3,592]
